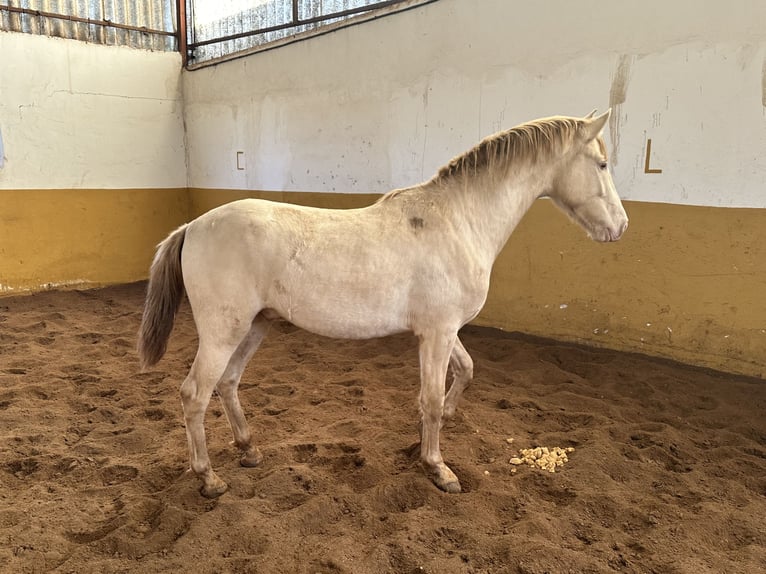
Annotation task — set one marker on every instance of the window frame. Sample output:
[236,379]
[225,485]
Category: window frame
[351,17]
[102,31]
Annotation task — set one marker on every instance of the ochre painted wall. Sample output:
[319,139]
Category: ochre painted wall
[83,237]
[684,283]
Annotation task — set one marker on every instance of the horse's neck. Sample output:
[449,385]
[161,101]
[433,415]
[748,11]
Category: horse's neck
[489,210]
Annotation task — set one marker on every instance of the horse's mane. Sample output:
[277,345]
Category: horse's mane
[527,142]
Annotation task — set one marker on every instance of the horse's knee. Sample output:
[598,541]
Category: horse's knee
[465,370]
[188,390]
[432,409]
[450,407]
[462,378]
[189,401]
[227,386]
[193,397]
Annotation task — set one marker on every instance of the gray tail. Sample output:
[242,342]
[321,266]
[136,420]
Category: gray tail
[163,298]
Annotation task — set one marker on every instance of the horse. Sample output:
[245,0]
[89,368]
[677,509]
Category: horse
[416,260]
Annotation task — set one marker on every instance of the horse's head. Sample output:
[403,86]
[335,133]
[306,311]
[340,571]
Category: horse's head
[582,186]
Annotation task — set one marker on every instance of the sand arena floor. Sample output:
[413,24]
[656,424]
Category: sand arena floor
[668,474]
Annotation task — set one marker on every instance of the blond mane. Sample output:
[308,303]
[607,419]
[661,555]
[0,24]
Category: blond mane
[527,142]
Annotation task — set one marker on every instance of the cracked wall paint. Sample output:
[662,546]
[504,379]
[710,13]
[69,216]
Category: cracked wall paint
[421,107]
[82,116]
[617,95]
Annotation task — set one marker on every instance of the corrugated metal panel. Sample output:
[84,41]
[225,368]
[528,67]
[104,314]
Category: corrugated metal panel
[147,24]
[218,29]
[313,8]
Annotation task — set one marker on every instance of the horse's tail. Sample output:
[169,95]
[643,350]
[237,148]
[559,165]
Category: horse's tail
[163,297]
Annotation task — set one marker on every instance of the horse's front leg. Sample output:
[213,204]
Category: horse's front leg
[462,373]
[435,350]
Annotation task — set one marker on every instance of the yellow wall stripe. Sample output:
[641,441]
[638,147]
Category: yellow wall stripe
[684,283]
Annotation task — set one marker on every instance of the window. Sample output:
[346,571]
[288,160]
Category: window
[222,29]
[148,24]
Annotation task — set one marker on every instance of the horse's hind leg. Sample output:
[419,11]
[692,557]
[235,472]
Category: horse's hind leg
[435,350]
[462,373]
[196,390]
[220,337]
[227,389]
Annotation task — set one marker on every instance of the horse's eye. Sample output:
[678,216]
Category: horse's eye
[603,165]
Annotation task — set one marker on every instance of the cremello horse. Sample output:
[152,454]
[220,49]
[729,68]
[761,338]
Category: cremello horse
[419,260]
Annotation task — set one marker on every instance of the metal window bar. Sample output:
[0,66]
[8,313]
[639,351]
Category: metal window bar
[275,22]
[146,24]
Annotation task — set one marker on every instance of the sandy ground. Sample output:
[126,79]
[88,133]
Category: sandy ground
[668,474]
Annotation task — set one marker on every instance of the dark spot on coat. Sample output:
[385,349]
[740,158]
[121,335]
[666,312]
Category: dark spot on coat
[417,223]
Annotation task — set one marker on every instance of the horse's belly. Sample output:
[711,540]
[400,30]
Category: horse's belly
[344,329]
[344,313]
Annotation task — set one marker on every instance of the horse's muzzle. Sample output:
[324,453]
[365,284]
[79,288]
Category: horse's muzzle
[615,234]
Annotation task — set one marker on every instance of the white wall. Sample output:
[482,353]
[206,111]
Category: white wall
[77,115]
[384,104]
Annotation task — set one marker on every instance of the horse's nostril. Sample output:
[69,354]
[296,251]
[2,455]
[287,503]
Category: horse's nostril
[616,232]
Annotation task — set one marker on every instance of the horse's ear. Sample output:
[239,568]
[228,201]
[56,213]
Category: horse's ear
[590,115]
[592,126]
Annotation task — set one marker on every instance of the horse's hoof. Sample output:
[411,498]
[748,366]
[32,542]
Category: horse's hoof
[451,487]
[444,479]
[251,458]
[215,490]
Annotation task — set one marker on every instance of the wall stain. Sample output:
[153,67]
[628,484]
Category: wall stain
[617,95]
